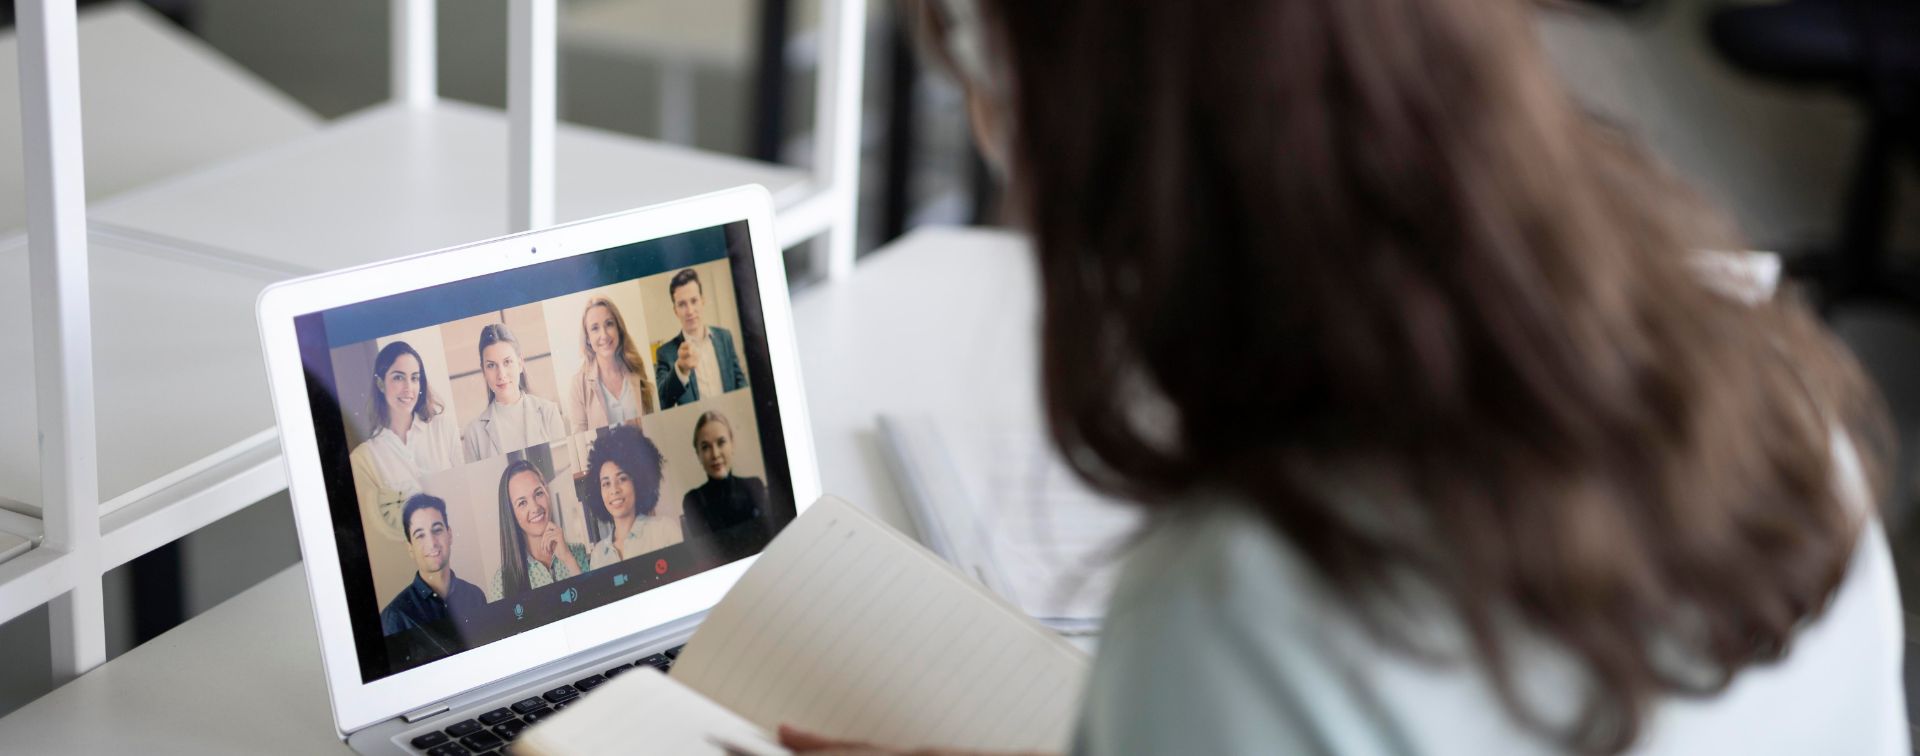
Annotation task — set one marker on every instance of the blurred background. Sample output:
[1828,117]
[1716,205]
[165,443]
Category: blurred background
[1796,117]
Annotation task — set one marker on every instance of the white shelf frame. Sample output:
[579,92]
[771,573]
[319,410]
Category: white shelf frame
[81,537]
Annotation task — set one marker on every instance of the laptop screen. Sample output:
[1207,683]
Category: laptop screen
[506,451]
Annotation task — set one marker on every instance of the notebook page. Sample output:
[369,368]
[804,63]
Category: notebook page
[644,711]
[998,502]
[850,629]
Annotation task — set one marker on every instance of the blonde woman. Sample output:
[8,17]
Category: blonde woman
[612,386]
[411,439]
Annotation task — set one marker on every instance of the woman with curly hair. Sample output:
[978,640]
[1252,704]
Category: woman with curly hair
[623,497]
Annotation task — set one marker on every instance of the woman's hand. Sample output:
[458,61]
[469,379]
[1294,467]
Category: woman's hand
[554,543]
[801,741]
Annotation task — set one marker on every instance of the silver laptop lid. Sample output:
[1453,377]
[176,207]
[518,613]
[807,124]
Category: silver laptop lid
[520,454]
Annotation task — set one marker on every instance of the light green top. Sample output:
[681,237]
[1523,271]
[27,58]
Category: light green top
[541,574]
[1221,640]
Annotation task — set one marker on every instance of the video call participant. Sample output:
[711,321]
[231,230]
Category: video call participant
[699,361]
[725,501]
[533,550]
[436,598]
[514,418]
[624,497]
[411,438]
[612,387]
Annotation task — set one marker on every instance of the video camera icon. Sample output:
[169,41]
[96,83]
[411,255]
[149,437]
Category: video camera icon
[570,595]
[620,580]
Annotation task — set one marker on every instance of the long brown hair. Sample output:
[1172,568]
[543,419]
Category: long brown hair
[1295,246]
[513,541]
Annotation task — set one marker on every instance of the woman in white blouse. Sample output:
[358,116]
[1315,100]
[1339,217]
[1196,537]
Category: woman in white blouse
[624,501]
[613,386]
[411,439]
[514,418]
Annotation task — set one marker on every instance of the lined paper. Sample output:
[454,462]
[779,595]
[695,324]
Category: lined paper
[996,501]
[850,629]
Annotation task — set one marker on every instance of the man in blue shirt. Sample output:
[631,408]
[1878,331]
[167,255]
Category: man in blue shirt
[433,603]
[700,360]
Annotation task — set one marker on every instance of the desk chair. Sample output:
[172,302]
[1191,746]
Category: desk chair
[1869,49]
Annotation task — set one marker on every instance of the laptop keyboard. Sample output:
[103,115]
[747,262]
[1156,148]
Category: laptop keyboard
[493,732]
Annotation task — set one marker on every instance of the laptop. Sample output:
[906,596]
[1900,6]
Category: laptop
[522,466]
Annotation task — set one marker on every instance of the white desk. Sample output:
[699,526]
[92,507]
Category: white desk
[939,322]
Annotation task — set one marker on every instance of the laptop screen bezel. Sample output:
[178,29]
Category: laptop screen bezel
[358,704]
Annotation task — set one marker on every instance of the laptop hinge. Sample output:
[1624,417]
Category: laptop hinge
[431,711]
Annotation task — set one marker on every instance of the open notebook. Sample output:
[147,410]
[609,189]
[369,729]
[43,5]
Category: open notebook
[849,629]
[998,503]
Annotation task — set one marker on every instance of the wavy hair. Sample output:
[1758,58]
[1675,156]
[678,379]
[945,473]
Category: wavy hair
[1449,331]
[629,353]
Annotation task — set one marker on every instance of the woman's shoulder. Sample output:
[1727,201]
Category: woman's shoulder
[1218,549]
[496,585]
[1258,666]
[541,403]
[443,422]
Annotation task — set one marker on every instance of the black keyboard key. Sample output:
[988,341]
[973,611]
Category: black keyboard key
[618,670]
[535,716]
[448,749]
[495,717]
[464,729]
[482,741]
[562,693]
[430,740]
[657,661]
[529,705]
[510,730]
[588,683]
[561,705]
[674,653]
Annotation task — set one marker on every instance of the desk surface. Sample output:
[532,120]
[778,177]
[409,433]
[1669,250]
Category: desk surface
[941,320]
